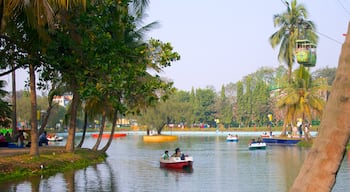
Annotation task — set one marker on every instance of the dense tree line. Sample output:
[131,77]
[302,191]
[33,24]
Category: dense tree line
[245,103]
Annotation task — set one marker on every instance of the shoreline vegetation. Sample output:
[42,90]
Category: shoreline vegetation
[18,164]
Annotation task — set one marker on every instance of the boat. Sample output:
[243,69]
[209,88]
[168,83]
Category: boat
[257,146]
[265,135]
[176,162]
[159,138]
[232,138]
[54,138]
[107,135]
[281,141]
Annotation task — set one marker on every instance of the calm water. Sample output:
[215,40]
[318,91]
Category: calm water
[133,165]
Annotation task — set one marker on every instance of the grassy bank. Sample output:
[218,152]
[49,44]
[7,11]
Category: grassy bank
[51,161]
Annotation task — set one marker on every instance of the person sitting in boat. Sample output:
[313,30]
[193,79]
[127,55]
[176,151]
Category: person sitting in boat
[166,155]
[259,140]
[252,141]
[177,153]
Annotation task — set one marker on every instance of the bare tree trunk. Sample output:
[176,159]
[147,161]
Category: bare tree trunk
[84,130]
[34,148]
[321,166]
[114,124]
[45,119]
[72,121]
[103,124]
[14,104]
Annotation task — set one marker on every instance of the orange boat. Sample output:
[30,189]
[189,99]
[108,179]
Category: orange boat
[159,138]
[107,135]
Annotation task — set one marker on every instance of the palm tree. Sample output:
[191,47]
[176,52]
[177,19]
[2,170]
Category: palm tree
[292,26]
[301,96]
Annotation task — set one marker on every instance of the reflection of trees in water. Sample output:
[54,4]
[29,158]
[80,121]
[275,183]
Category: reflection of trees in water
[99,177]
[288,161]
[69,177]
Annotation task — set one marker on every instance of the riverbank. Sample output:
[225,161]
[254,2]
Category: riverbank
[18,164]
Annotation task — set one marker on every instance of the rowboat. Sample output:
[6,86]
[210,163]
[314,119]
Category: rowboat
[257,146]
[176,162]
[107,135]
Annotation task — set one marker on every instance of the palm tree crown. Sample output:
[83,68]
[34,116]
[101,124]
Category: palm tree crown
[293,25]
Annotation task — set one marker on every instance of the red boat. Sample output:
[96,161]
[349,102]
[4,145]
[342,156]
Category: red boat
[176,162]
[106,135]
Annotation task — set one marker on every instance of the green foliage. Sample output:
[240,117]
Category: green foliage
[303,95]
[5,108]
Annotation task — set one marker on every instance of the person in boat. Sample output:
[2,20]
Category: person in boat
[166,155]
[252,141]
[259,140]
[177,153]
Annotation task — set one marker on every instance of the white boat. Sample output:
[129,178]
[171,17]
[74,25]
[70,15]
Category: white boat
[55,138]
[232,138]
[257,146]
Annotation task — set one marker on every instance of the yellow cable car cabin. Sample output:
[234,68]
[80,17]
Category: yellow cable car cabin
[306,53]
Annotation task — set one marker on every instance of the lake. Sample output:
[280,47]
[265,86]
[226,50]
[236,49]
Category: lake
[133,165]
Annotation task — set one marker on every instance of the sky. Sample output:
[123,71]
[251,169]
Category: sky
[222,41]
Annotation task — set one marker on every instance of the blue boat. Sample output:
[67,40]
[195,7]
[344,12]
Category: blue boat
[280,141]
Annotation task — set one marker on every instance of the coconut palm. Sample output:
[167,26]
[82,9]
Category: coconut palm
[302,96]
[293,25]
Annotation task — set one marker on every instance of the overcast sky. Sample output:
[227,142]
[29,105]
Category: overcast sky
[224,40]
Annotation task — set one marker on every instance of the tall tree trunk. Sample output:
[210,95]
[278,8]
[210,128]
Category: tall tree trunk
[103,123]
[321,166]
[114,124]
[84,129]
[34,149]
[73,117]
[14,104]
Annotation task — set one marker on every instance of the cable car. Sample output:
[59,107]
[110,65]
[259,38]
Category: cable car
[305,53]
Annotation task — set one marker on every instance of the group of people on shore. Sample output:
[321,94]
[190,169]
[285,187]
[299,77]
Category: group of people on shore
[22,139]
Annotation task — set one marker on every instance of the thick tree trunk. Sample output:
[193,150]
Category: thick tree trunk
[72,121]
[34,148]
[321,166]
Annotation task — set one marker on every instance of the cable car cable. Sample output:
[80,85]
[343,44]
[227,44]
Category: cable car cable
[342,5]
[328,37]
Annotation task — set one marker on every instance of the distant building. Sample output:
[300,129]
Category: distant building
[63,100]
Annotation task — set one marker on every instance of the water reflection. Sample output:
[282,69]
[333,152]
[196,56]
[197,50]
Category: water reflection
[133,165]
